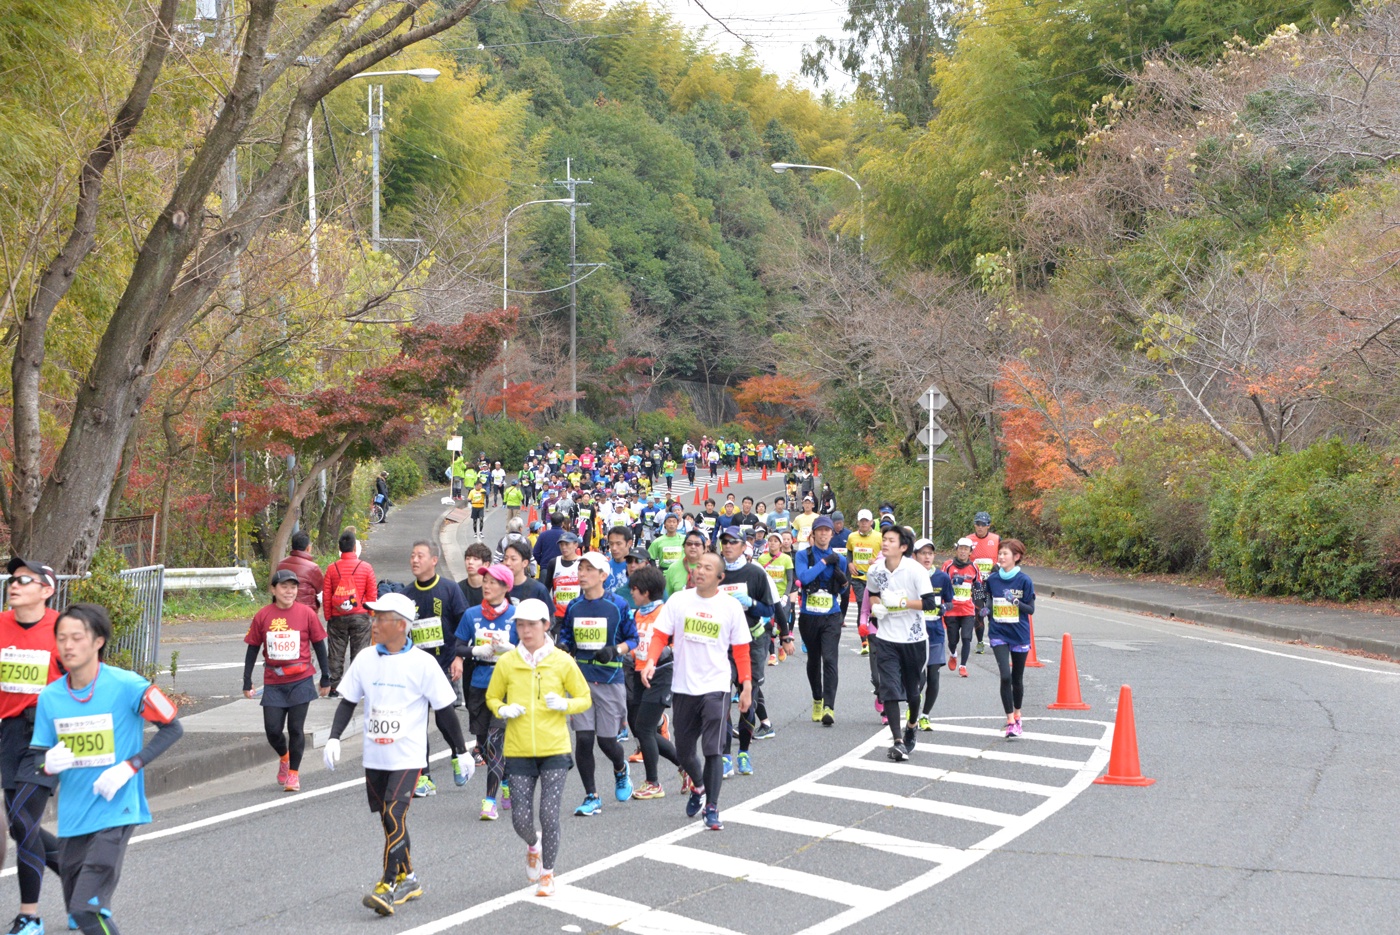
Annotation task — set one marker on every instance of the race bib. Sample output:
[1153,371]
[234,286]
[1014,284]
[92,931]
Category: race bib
[820,602]
[984,565]
[565,593]
[427,633]
[590,632]
[701,628]
[89,737]
[24,671]
[777,573]
[780,523]
[385,725]
[671,553]
[863,554]
[283,645]
[1005,611]
[733,589]
[962,591]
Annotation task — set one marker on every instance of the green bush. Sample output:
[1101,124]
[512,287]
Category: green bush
[1312,523]
[104,586]
[506,442]
[657,425]
[572,432]
[405,476]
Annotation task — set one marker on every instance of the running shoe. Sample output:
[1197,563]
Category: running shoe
[623,781]
[293,783]
[962,670]
[864,649]
[694,803]
[592,805]
[772,659]
[425,787]
[924,723]
[504,797]
[532,863]
[712,818]
[545,886]
[28,925]
[728,766]
[816,711]
[909,739]
[461,770]
[879,706]
[623,736]
[283,768]
[381,898]
[745,764]
[686,784]
[1015,729]
[477,758]
[1010,729]
[782,654]
[981,647]
[405,888]
[764,732]
[952,663]
[488,810]
[804,649]
[666,726]
[898,753]
[636,758]
[828,716]
[650,790]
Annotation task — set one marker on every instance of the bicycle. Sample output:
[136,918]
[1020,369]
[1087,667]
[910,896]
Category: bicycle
[379,509]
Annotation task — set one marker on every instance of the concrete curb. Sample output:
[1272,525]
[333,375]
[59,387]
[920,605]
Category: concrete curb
[1195,613]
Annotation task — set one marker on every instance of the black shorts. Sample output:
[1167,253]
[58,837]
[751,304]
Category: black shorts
[389,785]
[289,695]
[90,866]
[478,512]
[660,690]
[17,763]
[704,716]
[534,765]
[479,717]
[897,666]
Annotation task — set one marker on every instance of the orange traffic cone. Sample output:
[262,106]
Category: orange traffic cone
[533,517]
[706,495]
[696,501]
[1033,661]
[1123,768]
[765,473]
[1069,698]
[726,480]
[741,473]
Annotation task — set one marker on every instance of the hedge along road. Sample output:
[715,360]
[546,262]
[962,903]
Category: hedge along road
[1269,811]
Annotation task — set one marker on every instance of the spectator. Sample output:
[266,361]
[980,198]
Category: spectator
[303,565]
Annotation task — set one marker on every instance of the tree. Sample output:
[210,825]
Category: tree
[188,250]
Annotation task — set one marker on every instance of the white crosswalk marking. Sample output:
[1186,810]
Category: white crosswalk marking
[574,899]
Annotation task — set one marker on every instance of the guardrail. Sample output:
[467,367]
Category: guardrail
[233,578]
[148,583]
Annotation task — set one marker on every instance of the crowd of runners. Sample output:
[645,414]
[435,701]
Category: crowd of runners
[620,619]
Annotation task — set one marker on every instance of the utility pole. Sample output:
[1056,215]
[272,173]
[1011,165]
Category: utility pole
[376,123]
[571,184]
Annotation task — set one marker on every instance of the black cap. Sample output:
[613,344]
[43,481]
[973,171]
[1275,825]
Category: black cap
[284,574]
[731,532]
[638,555]
[43,571]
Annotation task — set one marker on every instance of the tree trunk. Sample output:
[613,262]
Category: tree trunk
[114,498]
[278,550]
[339,496]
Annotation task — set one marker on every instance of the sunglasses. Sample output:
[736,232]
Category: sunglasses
[26,579]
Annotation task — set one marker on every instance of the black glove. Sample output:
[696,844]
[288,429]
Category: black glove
[833,560]
[605,655]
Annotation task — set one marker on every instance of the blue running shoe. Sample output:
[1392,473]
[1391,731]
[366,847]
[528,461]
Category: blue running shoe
[623,736]
[712,818]
[728,766]
[592,805]
[694,804]
[624,784]
[29,925]
[745,764]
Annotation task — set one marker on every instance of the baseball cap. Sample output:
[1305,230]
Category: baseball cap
[501,573]
[532,608]
[731,532]
[887,508]
[597,560]
[570,537]
[395,603]
[965,541]
[865,514]
[838,517]
[923,542]
[39,568]
[284,574]
[982,518]
[823,522]
[638,555]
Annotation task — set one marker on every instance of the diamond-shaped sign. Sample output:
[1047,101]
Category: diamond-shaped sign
[933,399]
[933,435]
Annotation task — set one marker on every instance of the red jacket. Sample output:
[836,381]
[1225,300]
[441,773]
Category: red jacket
[309,578]
[964,579]
[349,585]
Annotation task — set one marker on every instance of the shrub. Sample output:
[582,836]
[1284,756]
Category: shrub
[104,586]
[656,425]
[572,432]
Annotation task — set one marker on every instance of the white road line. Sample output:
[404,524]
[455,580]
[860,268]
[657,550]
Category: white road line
[1202,639]
[786,878]
[628,916]
[1025,759]
[805,827]
[946,775]
[928,806]
[1033,735]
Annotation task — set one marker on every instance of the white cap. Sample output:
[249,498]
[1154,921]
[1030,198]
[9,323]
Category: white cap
[865,514]
[396,603]
[965,541]
[923,542]
[532,608]
[597,560]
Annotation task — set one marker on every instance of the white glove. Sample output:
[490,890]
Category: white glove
[878,610]
[112,779]
[483,651]
[466,765]
[507,711]
[894,599]
[556,702]
[58,758]
[331,753]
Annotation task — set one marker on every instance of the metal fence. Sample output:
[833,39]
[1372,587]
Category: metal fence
[149,584]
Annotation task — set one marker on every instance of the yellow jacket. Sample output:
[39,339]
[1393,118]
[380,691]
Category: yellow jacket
[539,731]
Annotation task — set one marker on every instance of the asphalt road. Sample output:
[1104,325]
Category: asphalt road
[1273,811]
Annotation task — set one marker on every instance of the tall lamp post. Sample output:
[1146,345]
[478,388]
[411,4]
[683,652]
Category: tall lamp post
[781,167]
[505,278]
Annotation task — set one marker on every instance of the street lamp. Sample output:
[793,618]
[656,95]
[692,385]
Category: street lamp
[781,167]
[505,278]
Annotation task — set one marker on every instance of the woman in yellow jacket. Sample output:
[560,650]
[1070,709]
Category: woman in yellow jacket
[534,689]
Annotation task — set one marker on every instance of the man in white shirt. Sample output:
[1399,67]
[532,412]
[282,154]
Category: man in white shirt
[898,586]
[701,624]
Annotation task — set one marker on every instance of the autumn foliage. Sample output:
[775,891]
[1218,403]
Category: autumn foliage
[770,402]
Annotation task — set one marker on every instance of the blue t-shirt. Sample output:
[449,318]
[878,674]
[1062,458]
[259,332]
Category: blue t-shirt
[103,731]
[1013,627]
[589,625]
[474,624]
[933,620]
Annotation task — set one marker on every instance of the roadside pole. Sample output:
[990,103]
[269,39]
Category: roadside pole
[931,435]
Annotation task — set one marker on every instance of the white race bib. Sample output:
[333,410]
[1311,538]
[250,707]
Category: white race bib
[1005,611]
[24,671]
[700,627]
[427,633]
[385,725]
[283,645]
[590,633]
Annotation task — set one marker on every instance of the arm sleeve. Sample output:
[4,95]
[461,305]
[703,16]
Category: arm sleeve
[546,570]
[805,573]
[323,662]
[761,607]
[659,641]
[343,712]
[161,740]
[1028,598]
[627,627]
[742,663]
[250,659]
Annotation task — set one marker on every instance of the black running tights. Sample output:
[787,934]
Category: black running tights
[394,816]
[491,744]
[1013,670]
[583,756]
[292,744]
[931,687]
[649,736]
[35,848]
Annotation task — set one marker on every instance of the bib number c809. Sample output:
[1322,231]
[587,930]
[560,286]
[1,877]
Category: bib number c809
[385,725]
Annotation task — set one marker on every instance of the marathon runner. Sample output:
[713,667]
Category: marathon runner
[286,632]
[477,497]
[778,565]
[933,625]
[780,520]
[398,687]
[517,559]
[705,624]
[821,573]
[1013,602]
[440,608]
[533,690]
[669,547]
[89,729]
[985,547]
[967,580]
[679,575]
[561,577]
[748,584]
[648,589]
[862,546]
[487,632]
[898,587]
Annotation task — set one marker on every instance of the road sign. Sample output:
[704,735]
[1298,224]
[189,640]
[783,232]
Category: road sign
[933,399]
[454,443]
[932,434]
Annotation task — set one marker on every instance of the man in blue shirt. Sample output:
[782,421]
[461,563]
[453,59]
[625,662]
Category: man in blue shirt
[88,727]
[822,575]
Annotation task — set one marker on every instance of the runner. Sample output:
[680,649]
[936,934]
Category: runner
[561,577]
[349,586]
[964,610]
[679,576]
[933,624]
[285,632]
[101,795]
[477,498]
[802,523]
[1013,602]
[533,690]
[597,630]
[898,587]
[780,520]
[517,559]
[440,607]
[748,584]
[28,662]
[707,624]
[821,573]
[985,547]
[778,565]
[398,686]
[476,557]
[485,633]
[862,546]
[669,547]
[648,591]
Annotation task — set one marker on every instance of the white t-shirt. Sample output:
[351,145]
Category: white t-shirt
[398,691]
[702,629]
[910,579]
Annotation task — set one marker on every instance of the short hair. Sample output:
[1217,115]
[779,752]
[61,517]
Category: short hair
[479,550]
[300,540]
[906,537]
[777,500]
[624,531]
[515,524]
[709,501]
[519,548]
[1017,547]
[433,548]
[747,500]
[649,581]
[95,620]
[556,519]
[347,541]
[704,540]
